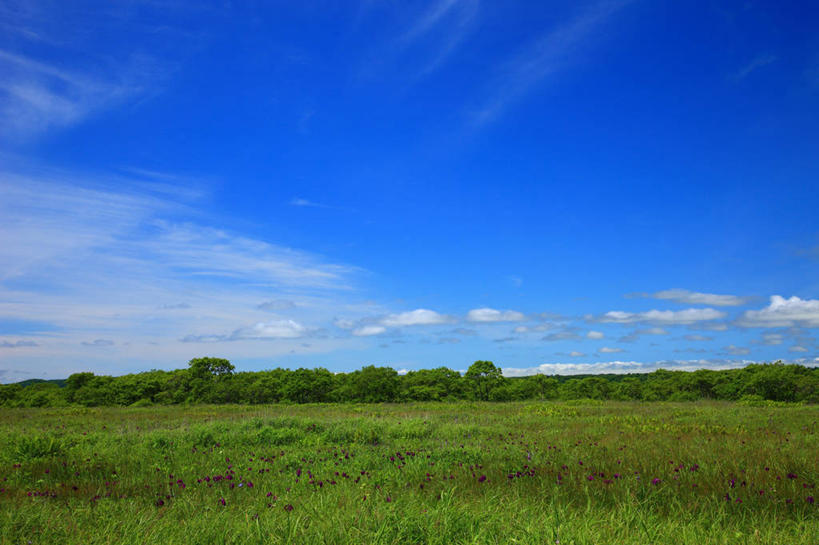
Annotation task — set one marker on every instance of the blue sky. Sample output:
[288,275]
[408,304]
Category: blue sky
[559,187]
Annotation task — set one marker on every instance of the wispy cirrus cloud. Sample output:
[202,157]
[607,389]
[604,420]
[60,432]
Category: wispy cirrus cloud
[555,50]
[96,265]
[446,23]
[754,65]
[36,96]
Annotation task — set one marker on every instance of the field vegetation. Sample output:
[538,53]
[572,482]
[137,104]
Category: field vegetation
[556,472]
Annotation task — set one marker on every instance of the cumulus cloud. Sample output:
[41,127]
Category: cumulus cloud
[783,312]
[609,350]
[484,315]
[419,316]
[594,335]
[369,330]
[697,298]
[661,317]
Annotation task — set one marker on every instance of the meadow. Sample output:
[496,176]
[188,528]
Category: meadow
[572,472]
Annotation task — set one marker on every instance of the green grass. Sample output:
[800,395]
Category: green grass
[139,475]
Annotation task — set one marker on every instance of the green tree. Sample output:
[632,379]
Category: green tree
[431,385]
[208,368]
[484,377]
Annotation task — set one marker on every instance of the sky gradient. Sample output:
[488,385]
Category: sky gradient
[558,187]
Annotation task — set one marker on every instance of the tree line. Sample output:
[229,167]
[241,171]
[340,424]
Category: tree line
[214,380]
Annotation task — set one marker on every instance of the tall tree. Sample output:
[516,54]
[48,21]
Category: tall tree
[484,377]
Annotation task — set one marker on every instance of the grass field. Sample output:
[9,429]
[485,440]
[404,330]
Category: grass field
[567,473]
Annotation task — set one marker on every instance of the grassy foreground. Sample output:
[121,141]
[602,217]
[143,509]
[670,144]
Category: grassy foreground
[567,473]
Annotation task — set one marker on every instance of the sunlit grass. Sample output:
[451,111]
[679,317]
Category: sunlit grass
[415,473]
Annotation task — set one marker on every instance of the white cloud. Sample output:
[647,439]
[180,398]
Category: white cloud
[662,317]
[487,315]
[419,316]
[552,52]
[450,21]
[797,349]
[576,354]
[368,330]
[35,96]
[783,312]
[696,298]
[276,329]
[595,335]
[622,367]
[609,350]
[90,262]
